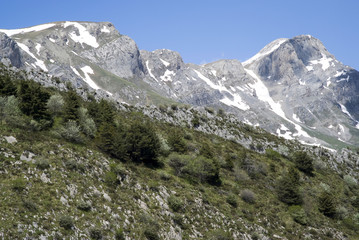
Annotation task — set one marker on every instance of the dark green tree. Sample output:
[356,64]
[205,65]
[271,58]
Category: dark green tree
[288,188]
[176,141]
[142,143]
[206,151]
[303,162]
[204,170]
[7,86]
[72,105]
[327,204]
[33,99]
[102,111]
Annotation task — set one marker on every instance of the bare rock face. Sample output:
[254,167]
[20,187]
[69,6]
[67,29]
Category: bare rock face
[10,50]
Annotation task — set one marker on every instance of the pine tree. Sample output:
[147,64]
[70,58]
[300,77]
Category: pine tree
[143,144]
[7,86]
[288,188]
[102,112]
[33,99]
[72,105]
[176,142]
[327,204]
[303,162]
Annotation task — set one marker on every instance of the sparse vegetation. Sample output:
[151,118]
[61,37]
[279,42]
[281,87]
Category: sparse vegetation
[112,179]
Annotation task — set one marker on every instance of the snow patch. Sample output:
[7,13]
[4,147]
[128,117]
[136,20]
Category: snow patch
[338,74]
[38,47]
[26,30]
[210,83]
[301,82]
[266,50]
[167,76]
[236,102]
[38,62]
[75,71]
[247,122]
[287,134]
[341,129]
[88,70]
[84,37]
[296,118]
[164,62]
[345,110]
[74,53]
[52,60]
[214,72]
[149,71]
[344,79]
[310,68]
[324,61]
[104,29]
[52,40]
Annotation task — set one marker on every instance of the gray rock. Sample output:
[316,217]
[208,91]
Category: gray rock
[10,139]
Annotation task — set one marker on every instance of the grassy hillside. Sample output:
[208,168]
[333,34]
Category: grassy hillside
[103,173]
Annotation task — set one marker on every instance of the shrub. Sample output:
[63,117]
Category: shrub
[239,174]
[355,202]
[178,219]
[70,131]
[341,212]
[150,233]
[55,104]
[111,179]
[203,170]
[178,163]
[350,181]
[218,234]
[174,107]
[84,206]
[42,163]
[18,184]
[248,196]
[175,203]
[66,222]
[298,214]
[232,200]
[327,204]
[195,121]
[87,124]
[253,168]
[95,233]
[176,142]
[303,162]
[271,154]
[221,112]
[29,205]
[119,235]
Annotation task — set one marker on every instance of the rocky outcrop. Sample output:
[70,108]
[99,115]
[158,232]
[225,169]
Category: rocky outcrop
[9,51]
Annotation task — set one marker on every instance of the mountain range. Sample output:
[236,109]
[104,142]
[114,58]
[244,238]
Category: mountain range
[293,88]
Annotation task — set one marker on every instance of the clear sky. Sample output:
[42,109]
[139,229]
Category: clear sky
[205,30]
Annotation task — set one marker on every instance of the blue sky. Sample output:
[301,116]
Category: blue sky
[205,31]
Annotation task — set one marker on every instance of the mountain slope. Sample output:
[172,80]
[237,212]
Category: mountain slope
[293,88]
[59,181]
